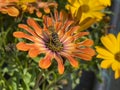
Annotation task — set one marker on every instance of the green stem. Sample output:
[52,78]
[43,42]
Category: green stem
[54,82]
[43,86]
[41,81]
[37,82]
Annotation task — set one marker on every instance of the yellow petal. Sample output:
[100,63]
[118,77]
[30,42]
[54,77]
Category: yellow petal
[118,41]
[106,63]
[114,41]
[103,53]
[117,74]
[27,1]
[98,15]
[108,44]
[74,3]
[104,57]
[115,65]
[105,2]
[86,23]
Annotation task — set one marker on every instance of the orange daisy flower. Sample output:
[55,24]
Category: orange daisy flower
[56,40]
[12,7]
[8,7]
[35,5]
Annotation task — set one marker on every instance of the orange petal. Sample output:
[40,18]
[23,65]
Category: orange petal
[46,61]
[69,46]
[63,15]
[23,46]
[58,25]
[31,22]
[61,33]
[19,34]
[46,10]
[66,25]
[33,52]
[31,10]
[56,15]
[47,21]
[72,61]
[3,10]
[12,11]
[39,14]
[67,39]
[83,56]
[60,64]
[25,27]
[80,34]
[87,50]
[87,43]
[72,30]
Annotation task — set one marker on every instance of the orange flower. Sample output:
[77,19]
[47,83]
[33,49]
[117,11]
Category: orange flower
[7,6]
[46,5]
[12,7]
[56,39]
[35,5]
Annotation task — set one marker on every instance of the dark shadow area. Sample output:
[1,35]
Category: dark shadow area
[86,81]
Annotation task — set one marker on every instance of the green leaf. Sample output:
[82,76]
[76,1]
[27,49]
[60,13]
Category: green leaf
[27,78]
[14,85]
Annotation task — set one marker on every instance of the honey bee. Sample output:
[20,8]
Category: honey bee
[54,36]
[54,41]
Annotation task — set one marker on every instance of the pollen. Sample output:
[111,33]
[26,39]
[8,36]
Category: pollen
[54,47]
[85,8]
[54,43]
[117,56]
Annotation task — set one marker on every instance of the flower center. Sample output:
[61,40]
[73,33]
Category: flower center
[85,8]
[54,43]
[117,56]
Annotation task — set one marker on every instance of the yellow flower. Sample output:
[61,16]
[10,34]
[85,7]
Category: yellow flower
[24,3]
[110,53]
[89,8]
[56,39]
[27,1]
[105,2]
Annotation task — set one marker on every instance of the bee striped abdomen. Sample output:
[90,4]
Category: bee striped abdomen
[55,39]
